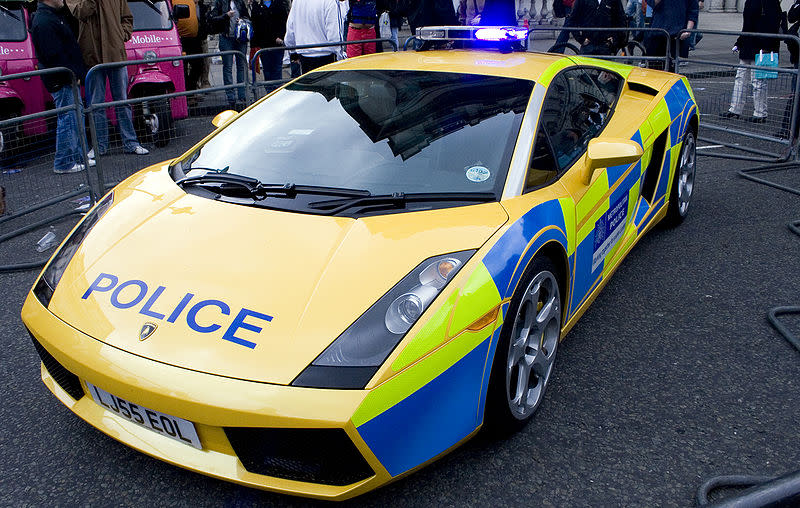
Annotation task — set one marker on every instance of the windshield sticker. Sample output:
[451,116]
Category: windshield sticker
[478,174]
[608,230]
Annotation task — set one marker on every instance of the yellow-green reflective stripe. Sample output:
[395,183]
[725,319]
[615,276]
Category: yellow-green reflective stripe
[619,68]
[588,226]
[592,196]
[568,209]
[410,380]
[431,335]
[547,76]
[645,131]
[478,296]
[659,118]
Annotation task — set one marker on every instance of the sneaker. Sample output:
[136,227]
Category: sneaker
[729,114]
[140,150]
[91,154]
[92,163]
[758,119]
[75,168]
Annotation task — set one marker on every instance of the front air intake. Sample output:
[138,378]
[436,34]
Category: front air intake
[65,379]
[324,456]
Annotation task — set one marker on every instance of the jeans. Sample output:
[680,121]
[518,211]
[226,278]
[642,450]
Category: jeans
[272,65]
[96,93]
[230,44]
[68,146]
[395,38]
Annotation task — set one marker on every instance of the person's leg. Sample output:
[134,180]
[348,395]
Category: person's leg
[67,152]
[226,44]
[118,81]
[367,34]
[241,69]
[204,64]
[272,63]
[759,96]
[354,50]
[96,94]
[395,38]
[193,47]
[737,97]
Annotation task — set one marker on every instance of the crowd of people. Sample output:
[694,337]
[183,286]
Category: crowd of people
[79,34]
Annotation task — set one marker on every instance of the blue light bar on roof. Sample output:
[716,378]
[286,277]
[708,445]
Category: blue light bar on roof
[472,33]
[501,34]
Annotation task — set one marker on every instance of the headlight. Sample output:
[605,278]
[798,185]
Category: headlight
[359,351]
[52,274]
[150,55]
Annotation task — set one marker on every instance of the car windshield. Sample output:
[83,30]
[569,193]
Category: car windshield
[150,15]
[382,131]
[12,24]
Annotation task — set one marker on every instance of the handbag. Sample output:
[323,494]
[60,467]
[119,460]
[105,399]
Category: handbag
[244,30]
[385,29]
[769,60]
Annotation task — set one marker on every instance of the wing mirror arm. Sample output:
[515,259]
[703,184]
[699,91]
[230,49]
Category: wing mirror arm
[609,152]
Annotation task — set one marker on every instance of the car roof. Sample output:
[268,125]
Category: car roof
[520,65]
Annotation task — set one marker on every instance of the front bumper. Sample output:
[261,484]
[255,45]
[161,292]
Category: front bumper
[214,404]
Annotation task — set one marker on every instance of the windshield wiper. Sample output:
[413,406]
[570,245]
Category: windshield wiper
[9,12]
[397,200]
[243,182]
[259,191]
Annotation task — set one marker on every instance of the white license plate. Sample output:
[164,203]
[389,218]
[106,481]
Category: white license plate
[164,424]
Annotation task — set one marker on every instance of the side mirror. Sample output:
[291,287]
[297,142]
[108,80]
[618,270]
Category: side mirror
[609,152]
[181,11]
[223,118]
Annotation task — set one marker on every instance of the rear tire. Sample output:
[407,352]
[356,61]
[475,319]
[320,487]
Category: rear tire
[680,196]
[526,350]
[153,121]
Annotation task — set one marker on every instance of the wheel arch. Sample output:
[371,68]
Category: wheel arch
[557,253]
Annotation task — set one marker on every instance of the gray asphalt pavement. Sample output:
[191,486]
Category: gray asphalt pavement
[673,375]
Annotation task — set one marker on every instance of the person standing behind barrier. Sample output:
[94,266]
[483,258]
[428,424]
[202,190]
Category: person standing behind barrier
[759,16]
[362,19]
[314,22]
[56,46]
[104,27]
[225,16]
[672,16]
[606,14]
[269,26]
[192,33]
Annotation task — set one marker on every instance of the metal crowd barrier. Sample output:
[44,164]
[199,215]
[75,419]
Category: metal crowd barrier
[268,86]
[771,139]
[34,196]
[632,52]
[115,165]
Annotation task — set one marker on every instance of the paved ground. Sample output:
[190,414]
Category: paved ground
[673,375]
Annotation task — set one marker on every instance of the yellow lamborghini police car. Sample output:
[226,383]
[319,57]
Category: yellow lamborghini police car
[356,274]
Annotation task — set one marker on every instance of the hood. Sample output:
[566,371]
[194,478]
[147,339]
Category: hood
[239,291]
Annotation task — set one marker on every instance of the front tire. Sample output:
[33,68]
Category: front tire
[526,351]
[680,196]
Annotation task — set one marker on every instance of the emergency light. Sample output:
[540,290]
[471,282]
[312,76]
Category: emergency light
[502,37]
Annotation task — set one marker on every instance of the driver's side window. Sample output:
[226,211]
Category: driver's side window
[574,111]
